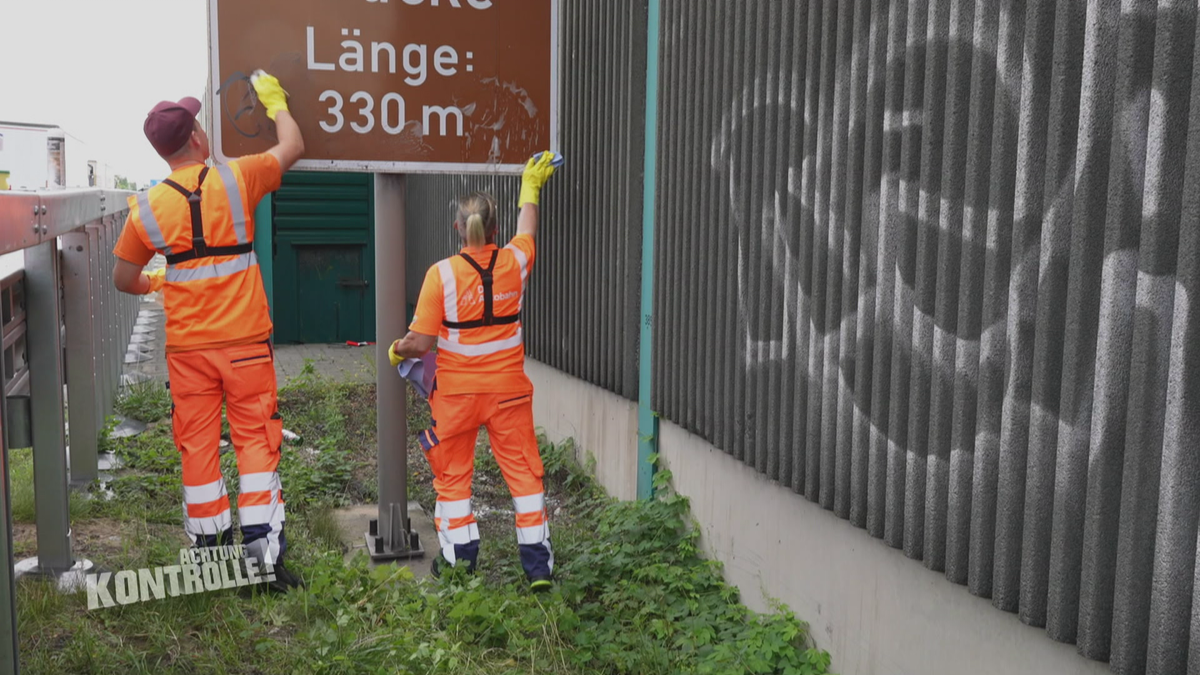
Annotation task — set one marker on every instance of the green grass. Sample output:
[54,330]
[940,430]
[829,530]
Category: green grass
[20,477]
[633,594]
[145,401]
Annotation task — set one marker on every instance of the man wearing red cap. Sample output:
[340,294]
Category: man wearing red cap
[218,322]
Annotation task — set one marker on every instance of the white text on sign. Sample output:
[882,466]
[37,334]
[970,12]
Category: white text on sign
[457,4]
[384,57]
[393,117]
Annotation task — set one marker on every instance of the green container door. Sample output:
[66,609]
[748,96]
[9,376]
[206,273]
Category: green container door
[324,258]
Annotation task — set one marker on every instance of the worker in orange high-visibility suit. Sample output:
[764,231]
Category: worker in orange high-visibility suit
[469,306]
[218,322]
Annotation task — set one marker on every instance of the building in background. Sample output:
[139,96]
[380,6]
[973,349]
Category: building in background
[44,156]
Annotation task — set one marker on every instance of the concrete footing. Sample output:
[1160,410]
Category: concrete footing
[353,521]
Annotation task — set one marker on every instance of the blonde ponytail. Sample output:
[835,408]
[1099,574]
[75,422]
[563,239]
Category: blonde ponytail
[475,233]
[476,218]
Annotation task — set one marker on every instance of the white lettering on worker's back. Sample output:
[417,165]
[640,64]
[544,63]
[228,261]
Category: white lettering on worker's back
[472,298]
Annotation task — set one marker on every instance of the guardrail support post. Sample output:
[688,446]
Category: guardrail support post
[97,337]
[81,359]
[116,352]
[44,346]
[50,471]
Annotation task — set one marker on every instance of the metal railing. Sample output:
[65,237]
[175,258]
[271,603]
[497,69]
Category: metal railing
[63,323]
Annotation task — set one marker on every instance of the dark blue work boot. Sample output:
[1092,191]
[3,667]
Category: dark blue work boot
[467,554]
[538,561]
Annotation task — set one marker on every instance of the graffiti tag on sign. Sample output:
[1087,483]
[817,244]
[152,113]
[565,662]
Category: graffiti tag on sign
[411,86]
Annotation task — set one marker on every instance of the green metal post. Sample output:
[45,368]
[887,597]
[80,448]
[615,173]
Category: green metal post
[647,420]
[264,247]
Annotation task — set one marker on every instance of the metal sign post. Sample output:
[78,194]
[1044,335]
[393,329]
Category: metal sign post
[391,536]
[390,87]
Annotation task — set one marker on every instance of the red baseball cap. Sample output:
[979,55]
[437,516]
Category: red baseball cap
[169,125]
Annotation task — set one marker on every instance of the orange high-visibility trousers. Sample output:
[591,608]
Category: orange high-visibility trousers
[244,378]
[450,448]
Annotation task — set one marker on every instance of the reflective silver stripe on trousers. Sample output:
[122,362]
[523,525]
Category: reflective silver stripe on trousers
[235,201]
[259,482]
[448,510]
[530,504]
[265,549]
[481,349]
[150,223]
[459,535]
[203,494]
[537,534]
[243,262]
[214,525]
[449,296]
[262,514]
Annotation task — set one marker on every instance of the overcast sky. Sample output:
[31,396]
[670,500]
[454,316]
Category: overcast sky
[95,67]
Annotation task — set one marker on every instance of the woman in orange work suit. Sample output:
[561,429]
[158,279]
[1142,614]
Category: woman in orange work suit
[470,308]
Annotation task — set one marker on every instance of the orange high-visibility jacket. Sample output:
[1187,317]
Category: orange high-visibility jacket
[472,302]
[201,219]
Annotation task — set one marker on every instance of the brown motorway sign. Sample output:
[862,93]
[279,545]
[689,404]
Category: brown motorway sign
[403,86]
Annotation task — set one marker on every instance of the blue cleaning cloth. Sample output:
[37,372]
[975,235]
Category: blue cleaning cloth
[420,372]
[557,162]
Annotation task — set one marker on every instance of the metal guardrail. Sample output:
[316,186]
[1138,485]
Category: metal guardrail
[12,306]
[62,323]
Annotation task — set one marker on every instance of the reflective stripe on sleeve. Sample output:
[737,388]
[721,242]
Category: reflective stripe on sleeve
[523,261]
[241,263]
[449,296]
[150,223]
[235,201]
[481,349]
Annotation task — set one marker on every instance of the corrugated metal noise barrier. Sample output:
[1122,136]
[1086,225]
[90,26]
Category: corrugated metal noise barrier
[928,263]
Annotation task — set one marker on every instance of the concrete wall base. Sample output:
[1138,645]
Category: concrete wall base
[876,611]
[602,424]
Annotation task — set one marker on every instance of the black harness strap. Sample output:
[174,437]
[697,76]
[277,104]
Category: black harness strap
[489,312]
[200,248]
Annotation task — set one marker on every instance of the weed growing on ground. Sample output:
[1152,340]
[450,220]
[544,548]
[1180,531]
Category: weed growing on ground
[633,596]
[148,401]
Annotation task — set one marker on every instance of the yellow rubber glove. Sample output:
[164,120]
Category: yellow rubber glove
[393,357]
[157,279]
[537,172]
[270,93]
